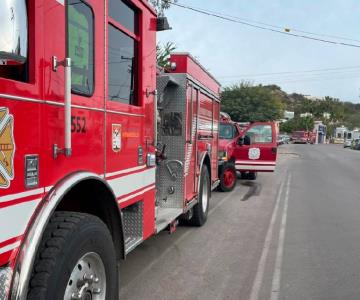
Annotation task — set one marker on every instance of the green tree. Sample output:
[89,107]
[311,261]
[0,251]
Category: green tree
[161,5]
[299,123]
[163,53]
[247,103]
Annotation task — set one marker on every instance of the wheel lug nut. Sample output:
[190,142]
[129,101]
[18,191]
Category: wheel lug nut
[96,291]
[96,279]
[75,296]
[88,279]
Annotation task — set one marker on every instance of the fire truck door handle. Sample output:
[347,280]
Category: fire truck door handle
[66,63]
[174,175]
[155,93]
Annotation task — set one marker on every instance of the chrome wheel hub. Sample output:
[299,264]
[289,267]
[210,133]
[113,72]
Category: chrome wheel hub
[87,280]
[205,194]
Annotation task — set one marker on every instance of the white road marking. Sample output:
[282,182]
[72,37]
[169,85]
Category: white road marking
[254,295]
[275,290]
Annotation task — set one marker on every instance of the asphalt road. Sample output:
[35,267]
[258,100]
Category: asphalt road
[294,234]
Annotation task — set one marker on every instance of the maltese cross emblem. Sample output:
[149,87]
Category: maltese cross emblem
[7,148]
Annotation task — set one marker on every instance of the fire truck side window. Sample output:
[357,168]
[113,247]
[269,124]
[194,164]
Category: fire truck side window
[122,49]
[80,46]
[122,13]
[227,131]
[121,67]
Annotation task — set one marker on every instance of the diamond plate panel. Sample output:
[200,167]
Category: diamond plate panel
[5,280]
[133,222]
[172,99]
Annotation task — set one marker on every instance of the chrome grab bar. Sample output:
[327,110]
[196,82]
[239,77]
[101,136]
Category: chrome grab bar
[67,150]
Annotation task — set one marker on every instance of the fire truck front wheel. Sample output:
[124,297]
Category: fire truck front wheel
[76,260]
[228,178]
[201,209]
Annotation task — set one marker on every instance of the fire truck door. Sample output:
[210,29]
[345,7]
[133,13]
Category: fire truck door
[196,105]
[126,116]
[256,149]
[74,114]
[55,39]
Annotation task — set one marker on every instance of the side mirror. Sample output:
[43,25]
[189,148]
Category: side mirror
[14,32]
[247,140]
[240,141]
[244,140]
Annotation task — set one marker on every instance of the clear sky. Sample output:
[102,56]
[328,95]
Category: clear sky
[233,52]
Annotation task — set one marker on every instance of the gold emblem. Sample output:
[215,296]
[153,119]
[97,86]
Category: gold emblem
[7,147]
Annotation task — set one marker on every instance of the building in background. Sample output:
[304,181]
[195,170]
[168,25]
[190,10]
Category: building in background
[307,114]
[339,134]
[320,130]
[288,115]
[327,115]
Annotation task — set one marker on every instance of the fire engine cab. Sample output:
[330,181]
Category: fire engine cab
[97,152]
[247,150]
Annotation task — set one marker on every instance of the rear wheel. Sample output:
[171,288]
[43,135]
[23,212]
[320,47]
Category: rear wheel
[228,178]
[201,209]
[76,260]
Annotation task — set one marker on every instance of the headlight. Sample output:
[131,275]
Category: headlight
[223,155]
[5,281]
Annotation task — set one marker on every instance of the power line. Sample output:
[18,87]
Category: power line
[331,70]
[316,80]
[235,20]
[277,26]
[280,81]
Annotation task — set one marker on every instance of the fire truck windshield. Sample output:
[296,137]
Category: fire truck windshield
[227,131]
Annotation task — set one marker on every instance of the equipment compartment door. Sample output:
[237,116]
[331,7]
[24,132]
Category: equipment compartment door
[191,143]
[260,154]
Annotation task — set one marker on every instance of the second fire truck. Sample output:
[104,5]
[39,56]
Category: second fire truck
[97,152]
[246,150]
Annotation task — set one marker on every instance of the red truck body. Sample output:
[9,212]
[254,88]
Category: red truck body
[247,150]
[303,137]
[86,126]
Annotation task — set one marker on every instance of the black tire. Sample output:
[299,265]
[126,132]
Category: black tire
[252,175]
[68,237]
[227,184]
[199,214]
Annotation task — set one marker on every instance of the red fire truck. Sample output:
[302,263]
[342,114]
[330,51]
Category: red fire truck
[247,150]
[303,137]
[97,154]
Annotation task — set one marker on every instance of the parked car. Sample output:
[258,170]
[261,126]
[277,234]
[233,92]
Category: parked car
[283,139]
[347,143]
[354,144]
[357,145]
